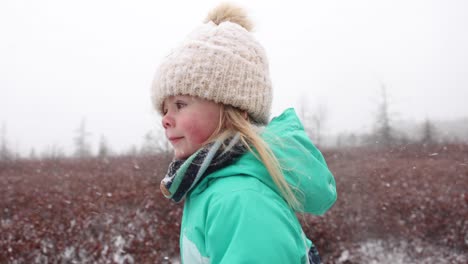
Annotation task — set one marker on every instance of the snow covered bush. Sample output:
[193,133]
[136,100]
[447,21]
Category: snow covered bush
[403,204]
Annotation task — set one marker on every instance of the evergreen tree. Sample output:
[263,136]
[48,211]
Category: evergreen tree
[82,147]
[5,153]
[428,135]
[384,131]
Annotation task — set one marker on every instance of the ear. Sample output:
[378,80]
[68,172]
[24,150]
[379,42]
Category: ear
[245,115]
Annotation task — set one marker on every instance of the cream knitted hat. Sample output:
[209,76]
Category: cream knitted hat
[219,61]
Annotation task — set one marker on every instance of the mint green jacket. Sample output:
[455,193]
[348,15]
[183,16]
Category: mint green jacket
[237,214]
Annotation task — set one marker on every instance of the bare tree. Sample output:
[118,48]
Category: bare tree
[154,142]
[5,153]
[384,131]
[303,110]
[149,145]
[132,151]
[313,120]
[82,146]
[53,152]
[32,154]
[347,140]
[428,133]
[319,118]
[104,149]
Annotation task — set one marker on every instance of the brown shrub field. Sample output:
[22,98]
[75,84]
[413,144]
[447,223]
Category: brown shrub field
[405,204]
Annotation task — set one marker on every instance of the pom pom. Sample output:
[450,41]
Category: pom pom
[231,13]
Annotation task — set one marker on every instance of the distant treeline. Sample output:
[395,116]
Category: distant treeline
[386,132]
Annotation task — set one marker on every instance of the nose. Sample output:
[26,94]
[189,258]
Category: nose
[167,121]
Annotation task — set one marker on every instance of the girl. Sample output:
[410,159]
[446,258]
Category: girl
[243,179]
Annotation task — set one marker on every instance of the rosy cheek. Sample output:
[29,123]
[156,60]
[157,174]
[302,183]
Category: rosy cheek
[197,135]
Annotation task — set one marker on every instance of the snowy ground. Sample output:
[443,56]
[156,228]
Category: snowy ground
[403,205]
[399,252]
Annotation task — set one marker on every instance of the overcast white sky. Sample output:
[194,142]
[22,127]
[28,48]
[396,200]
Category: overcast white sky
[62,60]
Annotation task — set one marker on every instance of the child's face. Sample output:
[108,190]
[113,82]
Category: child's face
[189,121]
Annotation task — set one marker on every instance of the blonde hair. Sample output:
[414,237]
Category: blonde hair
[233,120]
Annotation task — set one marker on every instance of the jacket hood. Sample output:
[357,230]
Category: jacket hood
[301,162]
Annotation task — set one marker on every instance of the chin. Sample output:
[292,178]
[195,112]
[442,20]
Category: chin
[181,155]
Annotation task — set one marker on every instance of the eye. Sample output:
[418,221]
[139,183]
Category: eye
[180,105]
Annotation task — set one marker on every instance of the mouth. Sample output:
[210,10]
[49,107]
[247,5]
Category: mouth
[174,140]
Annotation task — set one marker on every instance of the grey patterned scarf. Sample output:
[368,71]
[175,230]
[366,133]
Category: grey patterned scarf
[183,175]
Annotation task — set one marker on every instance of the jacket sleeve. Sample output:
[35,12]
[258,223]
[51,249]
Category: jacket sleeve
[251,227]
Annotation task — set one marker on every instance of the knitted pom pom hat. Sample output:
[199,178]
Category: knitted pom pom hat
[219,61]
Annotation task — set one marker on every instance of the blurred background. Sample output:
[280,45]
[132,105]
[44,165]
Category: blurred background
[84,69]
[381,87]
